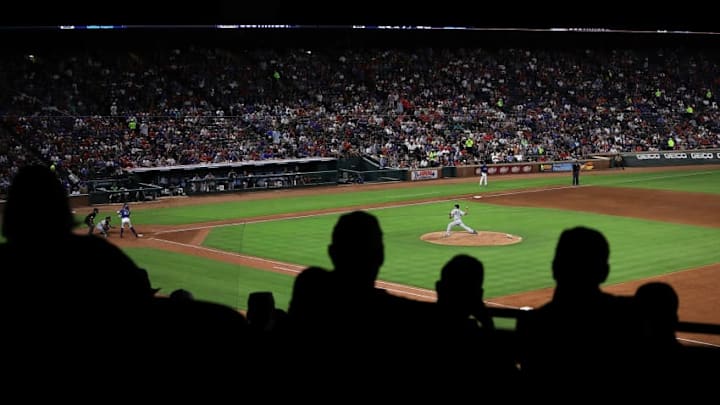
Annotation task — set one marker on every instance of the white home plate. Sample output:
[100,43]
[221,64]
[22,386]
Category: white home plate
[140,235]
[477,196]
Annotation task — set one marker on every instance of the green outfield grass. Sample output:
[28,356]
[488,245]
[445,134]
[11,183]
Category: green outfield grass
[637,251]
[639,248]
[209,279]
[697,181]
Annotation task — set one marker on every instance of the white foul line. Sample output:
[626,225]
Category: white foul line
[296,269]
[699,342]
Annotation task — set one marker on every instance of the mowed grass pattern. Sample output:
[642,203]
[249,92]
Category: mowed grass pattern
[638,247]
[700,181]
[210,280]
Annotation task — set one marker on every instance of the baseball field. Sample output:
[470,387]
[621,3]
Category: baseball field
[662,224]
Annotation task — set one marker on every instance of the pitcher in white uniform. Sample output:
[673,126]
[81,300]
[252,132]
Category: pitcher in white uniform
[456,215]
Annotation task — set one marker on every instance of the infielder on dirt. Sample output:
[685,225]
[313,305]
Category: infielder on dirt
[456,215]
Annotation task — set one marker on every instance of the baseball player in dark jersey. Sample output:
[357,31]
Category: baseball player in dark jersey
[483,174]
[576,173]
[124,214]
[90,220]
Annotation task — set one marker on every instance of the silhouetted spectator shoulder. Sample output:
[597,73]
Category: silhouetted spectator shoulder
[662,358]
[66,267]
[463,330]
[79,294]
[339,318]
[582,329]
[309,296]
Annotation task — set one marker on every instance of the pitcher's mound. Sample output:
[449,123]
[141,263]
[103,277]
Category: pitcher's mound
[462,238]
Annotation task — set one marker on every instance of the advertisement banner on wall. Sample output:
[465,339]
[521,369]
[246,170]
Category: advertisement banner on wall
[672,158]
[510,169]
[426,174]
[565,167]
[562,167]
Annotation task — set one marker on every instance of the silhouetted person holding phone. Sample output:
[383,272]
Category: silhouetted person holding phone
[465,332]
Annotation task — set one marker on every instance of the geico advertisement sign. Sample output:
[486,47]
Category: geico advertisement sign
[705,155]
[693,155]
[675,155]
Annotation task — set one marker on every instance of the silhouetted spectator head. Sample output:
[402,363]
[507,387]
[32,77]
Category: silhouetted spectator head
[581,258]
[260,309]
[357,248]
[135,285]
[657,304]
[37,205]
[182,295]
[460,283]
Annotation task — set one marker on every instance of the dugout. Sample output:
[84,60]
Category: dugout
[227,177]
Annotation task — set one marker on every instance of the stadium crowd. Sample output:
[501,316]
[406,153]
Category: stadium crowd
[93,114]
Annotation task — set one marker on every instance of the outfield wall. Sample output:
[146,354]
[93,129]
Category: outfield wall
[672,158]
[509,169]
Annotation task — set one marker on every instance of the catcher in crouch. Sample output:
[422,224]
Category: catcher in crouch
[104,226]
